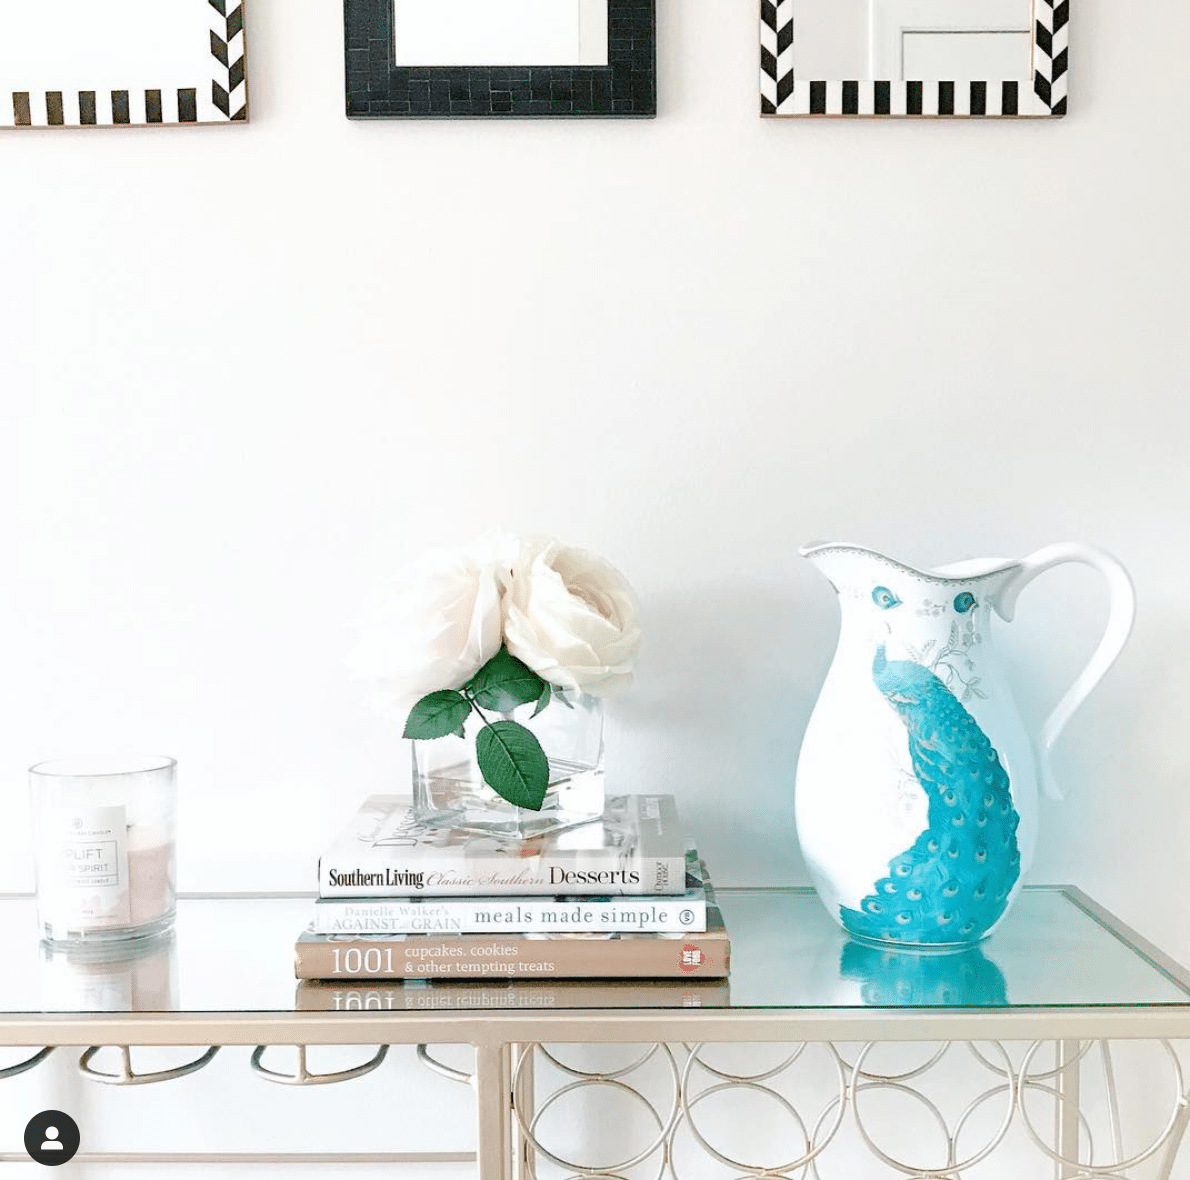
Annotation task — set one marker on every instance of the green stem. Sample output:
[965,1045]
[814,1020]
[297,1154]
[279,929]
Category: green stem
[478,711]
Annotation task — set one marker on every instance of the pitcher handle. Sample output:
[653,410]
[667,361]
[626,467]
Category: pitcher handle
[1121,613]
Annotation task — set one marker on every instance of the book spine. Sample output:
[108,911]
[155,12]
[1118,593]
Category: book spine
[475,957]
[518,915]
[503,876]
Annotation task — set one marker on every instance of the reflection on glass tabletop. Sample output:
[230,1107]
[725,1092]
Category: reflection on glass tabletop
[1056,949]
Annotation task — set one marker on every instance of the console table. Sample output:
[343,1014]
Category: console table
[1019,1037]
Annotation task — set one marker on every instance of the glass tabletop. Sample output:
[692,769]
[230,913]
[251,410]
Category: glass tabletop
[235,954]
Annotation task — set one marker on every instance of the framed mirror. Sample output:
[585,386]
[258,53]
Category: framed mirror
[914,57]
[79,63]
[484,58]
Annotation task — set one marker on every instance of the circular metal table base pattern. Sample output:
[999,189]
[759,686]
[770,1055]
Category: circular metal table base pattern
[673,1098]
[809,1133]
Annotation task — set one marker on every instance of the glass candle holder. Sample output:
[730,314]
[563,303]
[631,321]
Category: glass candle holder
[104,847]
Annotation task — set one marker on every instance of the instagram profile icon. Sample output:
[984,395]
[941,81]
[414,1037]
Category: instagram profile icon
[51,1138]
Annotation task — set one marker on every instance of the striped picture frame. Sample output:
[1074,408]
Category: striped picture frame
[783,93]
[178,62]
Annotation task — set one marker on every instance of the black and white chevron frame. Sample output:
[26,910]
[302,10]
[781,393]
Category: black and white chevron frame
[215,92]
[229,87]
[1051,53]
[776,55]
[1045,94]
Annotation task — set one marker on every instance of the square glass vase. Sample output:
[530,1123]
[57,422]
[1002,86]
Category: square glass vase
[449,791]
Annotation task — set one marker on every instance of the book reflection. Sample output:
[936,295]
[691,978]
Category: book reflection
[452,995]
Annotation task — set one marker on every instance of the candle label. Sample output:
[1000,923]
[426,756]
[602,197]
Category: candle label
[83,868]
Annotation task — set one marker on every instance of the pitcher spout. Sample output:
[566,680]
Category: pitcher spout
[840,562]
[858,569]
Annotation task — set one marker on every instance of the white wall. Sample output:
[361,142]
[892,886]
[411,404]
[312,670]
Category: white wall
[248,371]
[245,372]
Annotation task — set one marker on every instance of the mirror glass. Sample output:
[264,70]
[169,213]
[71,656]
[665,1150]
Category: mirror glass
[500,32]
[913,40]
[67,41]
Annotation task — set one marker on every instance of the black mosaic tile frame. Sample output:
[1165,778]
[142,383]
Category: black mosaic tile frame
[377,88]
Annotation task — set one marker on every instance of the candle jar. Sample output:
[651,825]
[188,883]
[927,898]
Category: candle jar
[104,847]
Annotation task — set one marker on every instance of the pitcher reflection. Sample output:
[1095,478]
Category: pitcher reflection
[924,979]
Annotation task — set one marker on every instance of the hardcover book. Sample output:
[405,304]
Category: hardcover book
[439,995]
[532,956]
[637,848]
[494,915]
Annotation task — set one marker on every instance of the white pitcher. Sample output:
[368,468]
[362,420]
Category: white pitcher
[916,798]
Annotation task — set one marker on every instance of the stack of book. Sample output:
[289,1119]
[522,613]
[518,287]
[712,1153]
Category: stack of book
[619,898]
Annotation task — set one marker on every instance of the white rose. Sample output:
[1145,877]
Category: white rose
[571,616]
[438,624]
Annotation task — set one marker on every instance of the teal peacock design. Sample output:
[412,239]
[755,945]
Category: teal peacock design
[953,884]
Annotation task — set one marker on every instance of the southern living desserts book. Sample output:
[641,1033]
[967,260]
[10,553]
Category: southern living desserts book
[494,915]
[518,955]
[637,848]
[449,995]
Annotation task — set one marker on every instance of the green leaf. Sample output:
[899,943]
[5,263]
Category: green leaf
[436,715]
[504,682]
[562,698]
[542,701]
[513,763]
